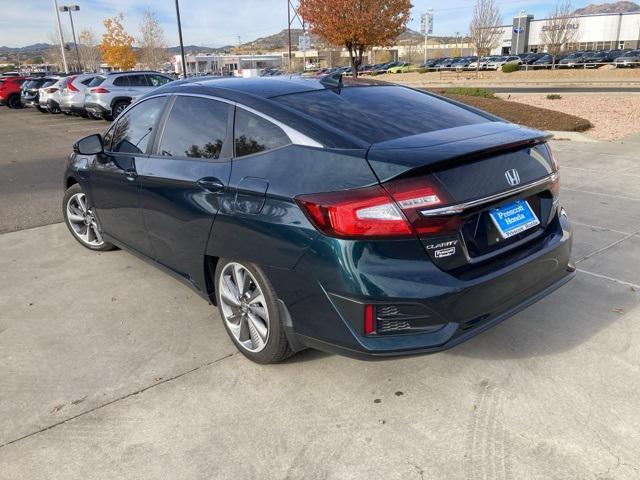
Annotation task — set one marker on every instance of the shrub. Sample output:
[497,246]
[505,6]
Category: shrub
[554,96]
[470,92]
[510,67]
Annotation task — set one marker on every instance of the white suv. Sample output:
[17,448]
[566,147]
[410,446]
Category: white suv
[108,95]
[500,61]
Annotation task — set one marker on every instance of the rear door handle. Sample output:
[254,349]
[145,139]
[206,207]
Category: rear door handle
[131,174]
[210,184]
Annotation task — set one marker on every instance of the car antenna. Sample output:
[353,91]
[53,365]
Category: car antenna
[333,80]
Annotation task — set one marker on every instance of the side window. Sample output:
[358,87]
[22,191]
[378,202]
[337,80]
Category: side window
[255,134]
[138,81]
[133,130]
[196,128]
[87,81]
[157,80]
[121,81]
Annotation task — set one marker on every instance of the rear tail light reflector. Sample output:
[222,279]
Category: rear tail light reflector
[51,90]
[99,90]
[369,319]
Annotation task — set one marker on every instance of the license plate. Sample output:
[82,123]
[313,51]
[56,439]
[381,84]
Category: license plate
[514,218]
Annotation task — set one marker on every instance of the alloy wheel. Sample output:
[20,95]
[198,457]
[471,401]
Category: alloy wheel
[244,307]
[119,109]
[82,221]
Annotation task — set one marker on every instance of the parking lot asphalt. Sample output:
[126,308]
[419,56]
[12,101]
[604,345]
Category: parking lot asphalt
[111,369]
[33,147]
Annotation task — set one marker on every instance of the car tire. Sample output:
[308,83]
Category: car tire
[42,109]
[14,101]
[81,221]
[250,313]
[118,108]
[53,107]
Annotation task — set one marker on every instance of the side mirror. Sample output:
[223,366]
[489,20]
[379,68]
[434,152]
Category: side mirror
[91,145]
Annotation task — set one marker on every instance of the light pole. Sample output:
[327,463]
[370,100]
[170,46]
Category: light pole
[184,63]
[73,8]
[64,56]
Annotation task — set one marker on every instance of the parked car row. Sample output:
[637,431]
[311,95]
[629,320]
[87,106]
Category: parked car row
[589,59]
[87,94]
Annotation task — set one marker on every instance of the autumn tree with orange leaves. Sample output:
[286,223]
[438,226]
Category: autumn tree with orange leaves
[356,24]
[117,45]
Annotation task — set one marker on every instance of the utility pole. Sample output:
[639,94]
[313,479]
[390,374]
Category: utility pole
[64,56]
[184,63]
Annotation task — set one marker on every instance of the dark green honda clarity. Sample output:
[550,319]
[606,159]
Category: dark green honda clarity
[360,218]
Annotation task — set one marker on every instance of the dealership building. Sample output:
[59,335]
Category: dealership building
[206,64]
[592,32]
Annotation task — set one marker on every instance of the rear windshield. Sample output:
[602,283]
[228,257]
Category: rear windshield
[35,83]
[48,83]
[96,81]
[379,113]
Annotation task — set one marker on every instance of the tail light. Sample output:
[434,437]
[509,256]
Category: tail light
[391,210]
[70,86]
[99,90]
[51,90]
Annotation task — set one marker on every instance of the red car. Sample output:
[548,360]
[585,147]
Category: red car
[10,91]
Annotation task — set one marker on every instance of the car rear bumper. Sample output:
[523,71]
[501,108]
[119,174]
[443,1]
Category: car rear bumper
[72,108]
[332,318]
[97,109]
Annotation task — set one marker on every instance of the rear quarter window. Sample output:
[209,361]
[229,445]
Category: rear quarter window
[121,81]
[378,113]
[96,82]
[254,134]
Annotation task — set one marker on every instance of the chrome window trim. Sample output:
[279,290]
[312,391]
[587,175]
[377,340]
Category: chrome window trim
[295,137]
[461,207]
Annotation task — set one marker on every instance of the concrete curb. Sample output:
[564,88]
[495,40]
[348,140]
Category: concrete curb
[573,136]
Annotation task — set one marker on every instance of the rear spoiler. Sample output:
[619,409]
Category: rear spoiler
[392,158]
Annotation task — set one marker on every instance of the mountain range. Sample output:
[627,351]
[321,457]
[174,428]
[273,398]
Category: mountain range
[616,7]
[279,41]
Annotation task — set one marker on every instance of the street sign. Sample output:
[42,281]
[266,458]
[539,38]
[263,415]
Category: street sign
[304,42]
[426,22]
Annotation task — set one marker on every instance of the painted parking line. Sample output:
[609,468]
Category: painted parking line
[611,195]
[634,286]
[600,172]
[86,129]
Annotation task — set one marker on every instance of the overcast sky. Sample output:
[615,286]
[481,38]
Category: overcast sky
[214,22]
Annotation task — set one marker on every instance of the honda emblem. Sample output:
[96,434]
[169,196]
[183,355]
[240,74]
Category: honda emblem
[513,177]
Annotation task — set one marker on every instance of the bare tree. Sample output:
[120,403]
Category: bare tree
[152,42]
[89,51]
[484,29]
[52,54]
[413,54]
[559,30]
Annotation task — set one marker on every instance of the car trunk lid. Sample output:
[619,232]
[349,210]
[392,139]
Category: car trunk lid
[475,169]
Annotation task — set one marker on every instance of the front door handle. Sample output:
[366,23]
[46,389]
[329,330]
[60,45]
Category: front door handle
[131,174]
[210,184]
